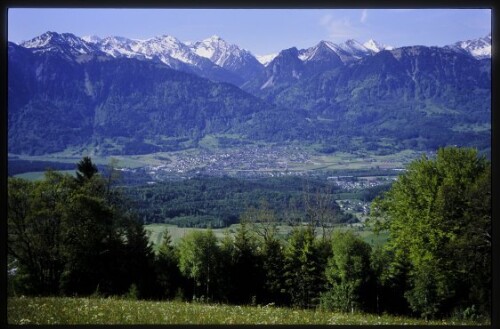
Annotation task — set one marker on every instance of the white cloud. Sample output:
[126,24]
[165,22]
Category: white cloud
[364,16]
[339,28]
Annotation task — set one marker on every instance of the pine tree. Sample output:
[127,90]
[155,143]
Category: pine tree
[302,271]
[85,170]
[168,275]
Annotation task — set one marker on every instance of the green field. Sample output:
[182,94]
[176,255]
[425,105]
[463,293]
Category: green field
[348,161]
[39,175]
[69,311]
[156,231]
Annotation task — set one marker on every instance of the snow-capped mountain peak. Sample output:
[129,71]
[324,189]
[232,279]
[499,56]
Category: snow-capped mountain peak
[215,37]
[213,48]
[354,48]
[266,59]
[349,51]
[42,40]
[479,48]
[62,43]
[117,46]
[218,50]
[164,47]
[376,46]
[91,38]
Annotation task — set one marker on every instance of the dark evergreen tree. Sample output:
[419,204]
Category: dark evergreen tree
[273,267]
[139,259]
[303,273]
[168,275]
[247,267]
[86,169]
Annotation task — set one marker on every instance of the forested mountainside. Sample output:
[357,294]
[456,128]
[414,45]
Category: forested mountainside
[67,93]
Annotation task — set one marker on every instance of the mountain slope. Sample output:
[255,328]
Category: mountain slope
[434,93]
[122,96]
[65,44]
[115,105]
[168,50]
[229,57]
[292,65]
[479,48]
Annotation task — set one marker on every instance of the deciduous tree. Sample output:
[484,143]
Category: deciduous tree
[439,218]
[348,273]
[198,260]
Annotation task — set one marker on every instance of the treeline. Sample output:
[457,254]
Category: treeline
[220,201]
[72,237]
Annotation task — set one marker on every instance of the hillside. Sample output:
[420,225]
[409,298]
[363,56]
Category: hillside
[439,96]
[116,105]
[119,96]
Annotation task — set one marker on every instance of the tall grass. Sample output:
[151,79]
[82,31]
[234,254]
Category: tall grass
[121,311]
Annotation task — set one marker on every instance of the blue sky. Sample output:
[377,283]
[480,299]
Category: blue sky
[262,31]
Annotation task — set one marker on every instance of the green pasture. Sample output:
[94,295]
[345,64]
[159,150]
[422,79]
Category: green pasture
[39,175]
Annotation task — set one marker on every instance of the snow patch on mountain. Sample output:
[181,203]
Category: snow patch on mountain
[308,54]
[65,43]
[349,51]
[118,47]
[479,48]
[166,48]
[222,53]
[91,38]
[266,59]
[216,50]
[376,46]
[354,47]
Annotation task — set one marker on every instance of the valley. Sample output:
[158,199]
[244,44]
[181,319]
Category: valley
[103,99]
[253,160]
[340,177]
[215,187]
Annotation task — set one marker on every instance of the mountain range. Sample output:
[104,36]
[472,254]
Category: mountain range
[117,95]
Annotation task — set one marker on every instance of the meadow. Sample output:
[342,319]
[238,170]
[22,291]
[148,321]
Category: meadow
[156,231]
[103,311]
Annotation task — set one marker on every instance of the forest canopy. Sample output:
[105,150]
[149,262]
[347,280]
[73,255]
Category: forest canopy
[79,236]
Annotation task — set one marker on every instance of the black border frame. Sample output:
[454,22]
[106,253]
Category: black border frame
[255,4]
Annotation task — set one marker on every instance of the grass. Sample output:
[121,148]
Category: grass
[70,311]
[348,161]
[177,233]
[39,175]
